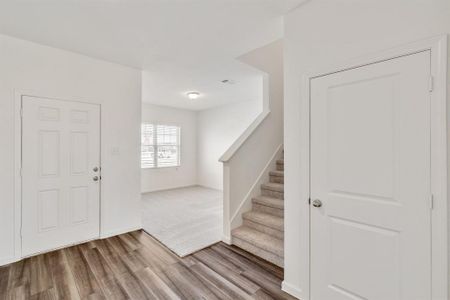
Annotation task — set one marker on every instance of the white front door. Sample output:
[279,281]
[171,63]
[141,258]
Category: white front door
[60,173]
[370,169]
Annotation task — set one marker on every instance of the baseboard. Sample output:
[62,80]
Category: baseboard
[292,290]
[16,259]
[169,188]
[119,231]
[9,260]
[226,240]
[210,187]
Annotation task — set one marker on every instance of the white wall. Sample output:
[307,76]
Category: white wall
[186,174]
[326,32]
[242,169]
[217,129]
[48,72]
[205,136]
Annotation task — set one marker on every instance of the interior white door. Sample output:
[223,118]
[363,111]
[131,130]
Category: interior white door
[60,173]
[370,169]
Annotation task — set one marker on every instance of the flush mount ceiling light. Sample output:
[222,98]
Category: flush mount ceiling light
[228,81]
[193,95]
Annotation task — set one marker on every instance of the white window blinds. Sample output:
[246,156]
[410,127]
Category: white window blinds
[160,146]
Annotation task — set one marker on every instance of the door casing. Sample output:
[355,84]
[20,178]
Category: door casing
[439,163]
[19,94]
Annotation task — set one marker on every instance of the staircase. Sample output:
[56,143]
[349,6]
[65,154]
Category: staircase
[262,232]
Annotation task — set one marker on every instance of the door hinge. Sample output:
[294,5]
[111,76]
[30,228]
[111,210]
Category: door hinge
[21,112]
[431,201]
[431,84]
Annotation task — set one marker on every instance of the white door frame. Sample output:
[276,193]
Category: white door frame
[439,163]
[19,94]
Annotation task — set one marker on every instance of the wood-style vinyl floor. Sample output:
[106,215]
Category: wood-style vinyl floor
[136,266]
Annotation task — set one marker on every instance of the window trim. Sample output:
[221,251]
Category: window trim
[155,145]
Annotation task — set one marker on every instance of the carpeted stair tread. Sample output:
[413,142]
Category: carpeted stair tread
[266,255]
[277,173]
[262,230]
[268,220]
[269,201]
[260,240]
[276,187]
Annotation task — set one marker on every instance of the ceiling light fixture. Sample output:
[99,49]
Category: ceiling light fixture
[193,95]
[228,81]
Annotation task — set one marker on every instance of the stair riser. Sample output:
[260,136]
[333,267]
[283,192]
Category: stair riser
[264,229]
[280,167]
[271,257]
[268,210]
[276,179]
[274,194]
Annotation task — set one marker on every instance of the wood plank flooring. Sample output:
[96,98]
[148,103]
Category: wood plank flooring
[136,266]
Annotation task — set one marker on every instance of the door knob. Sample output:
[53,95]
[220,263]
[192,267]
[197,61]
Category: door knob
[317,203]
[95,169]
[95,178]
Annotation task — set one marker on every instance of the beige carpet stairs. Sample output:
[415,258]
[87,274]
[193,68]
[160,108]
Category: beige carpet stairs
[262,232]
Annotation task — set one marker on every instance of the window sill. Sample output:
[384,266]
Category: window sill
[161,168]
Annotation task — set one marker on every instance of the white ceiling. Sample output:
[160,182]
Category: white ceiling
[182,44]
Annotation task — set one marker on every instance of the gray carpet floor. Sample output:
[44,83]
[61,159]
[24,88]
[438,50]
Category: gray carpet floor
[185,220]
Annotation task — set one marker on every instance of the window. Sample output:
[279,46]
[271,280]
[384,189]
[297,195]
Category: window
[160,146]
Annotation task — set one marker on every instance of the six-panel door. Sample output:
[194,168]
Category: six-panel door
[370,168]
[60,194]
